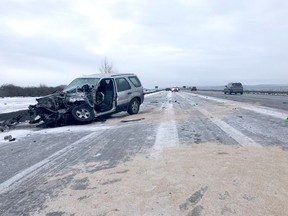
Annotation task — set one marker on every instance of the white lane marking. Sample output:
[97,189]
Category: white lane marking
[266,111]
[152,94]
[229,130]
[18,178]
[232,132]
[258,109]
[167,134]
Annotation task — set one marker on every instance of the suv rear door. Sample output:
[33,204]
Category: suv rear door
[138,89]
[123,93]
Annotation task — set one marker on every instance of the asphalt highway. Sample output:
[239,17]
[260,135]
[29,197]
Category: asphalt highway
[269,100]
[183,154]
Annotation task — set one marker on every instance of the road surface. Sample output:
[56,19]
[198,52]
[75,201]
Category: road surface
[183,154]
[273,101]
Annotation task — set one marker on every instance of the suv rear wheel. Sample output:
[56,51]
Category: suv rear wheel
[134,106]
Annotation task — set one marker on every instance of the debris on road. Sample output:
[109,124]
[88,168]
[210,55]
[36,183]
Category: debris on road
[9,138]
[6,125]
[224,196]
[131,120]
[248,197]
[194,105]
[3,128]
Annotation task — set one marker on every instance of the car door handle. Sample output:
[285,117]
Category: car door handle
[129,93]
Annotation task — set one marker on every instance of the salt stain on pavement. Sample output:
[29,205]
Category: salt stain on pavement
[206,179]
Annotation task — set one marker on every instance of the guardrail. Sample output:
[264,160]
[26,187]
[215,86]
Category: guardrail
[266,92]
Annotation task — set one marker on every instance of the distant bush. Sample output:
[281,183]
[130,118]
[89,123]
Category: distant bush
[10,90]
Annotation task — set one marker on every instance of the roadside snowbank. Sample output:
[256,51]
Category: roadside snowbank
[12,104]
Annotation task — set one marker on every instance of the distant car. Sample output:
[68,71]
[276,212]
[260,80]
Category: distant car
[168,89]
[175,89]
[233,88]
[194,88]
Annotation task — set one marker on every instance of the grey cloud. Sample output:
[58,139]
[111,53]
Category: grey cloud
[253,43]
[40,47]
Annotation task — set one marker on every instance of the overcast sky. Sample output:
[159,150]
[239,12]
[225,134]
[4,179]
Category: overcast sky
[165,42]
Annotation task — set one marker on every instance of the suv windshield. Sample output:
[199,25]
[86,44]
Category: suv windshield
[80,82]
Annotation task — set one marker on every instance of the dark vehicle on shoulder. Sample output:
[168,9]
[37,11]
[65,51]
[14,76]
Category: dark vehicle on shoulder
[88,97]
[233,88]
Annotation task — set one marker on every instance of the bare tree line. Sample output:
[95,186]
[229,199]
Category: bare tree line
[10,90]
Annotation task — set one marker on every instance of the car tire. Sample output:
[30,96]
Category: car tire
[134,106]
[225,92]
[83,114]
[230,92]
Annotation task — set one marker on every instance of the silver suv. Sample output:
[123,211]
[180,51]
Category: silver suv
[233,88]
[88,97]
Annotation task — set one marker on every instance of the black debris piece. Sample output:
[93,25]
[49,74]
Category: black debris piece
[132,120]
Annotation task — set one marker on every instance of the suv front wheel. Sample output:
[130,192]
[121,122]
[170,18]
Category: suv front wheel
[134,106]
[83,114]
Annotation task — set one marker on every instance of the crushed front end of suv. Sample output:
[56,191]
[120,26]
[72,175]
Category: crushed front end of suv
[88,97]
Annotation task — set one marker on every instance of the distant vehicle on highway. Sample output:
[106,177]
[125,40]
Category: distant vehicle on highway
[233,88]
[194,88]
[175,89]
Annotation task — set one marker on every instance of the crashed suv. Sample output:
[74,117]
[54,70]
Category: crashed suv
[88,97]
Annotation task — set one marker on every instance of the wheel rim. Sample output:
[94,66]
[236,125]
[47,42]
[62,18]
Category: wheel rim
[83,113]
[134,106]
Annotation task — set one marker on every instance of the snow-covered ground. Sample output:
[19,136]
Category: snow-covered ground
[12,104]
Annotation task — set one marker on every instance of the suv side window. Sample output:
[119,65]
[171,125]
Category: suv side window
[122,84]
[135,81]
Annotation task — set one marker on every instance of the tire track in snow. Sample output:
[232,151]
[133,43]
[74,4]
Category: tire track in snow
[36,168]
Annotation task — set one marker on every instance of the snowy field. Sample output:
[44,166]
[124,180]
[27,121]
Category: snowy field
[12,104]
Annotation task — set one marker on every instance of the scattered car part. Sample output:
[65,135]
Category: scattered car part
[132,120]
[7,124]
[9,138]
